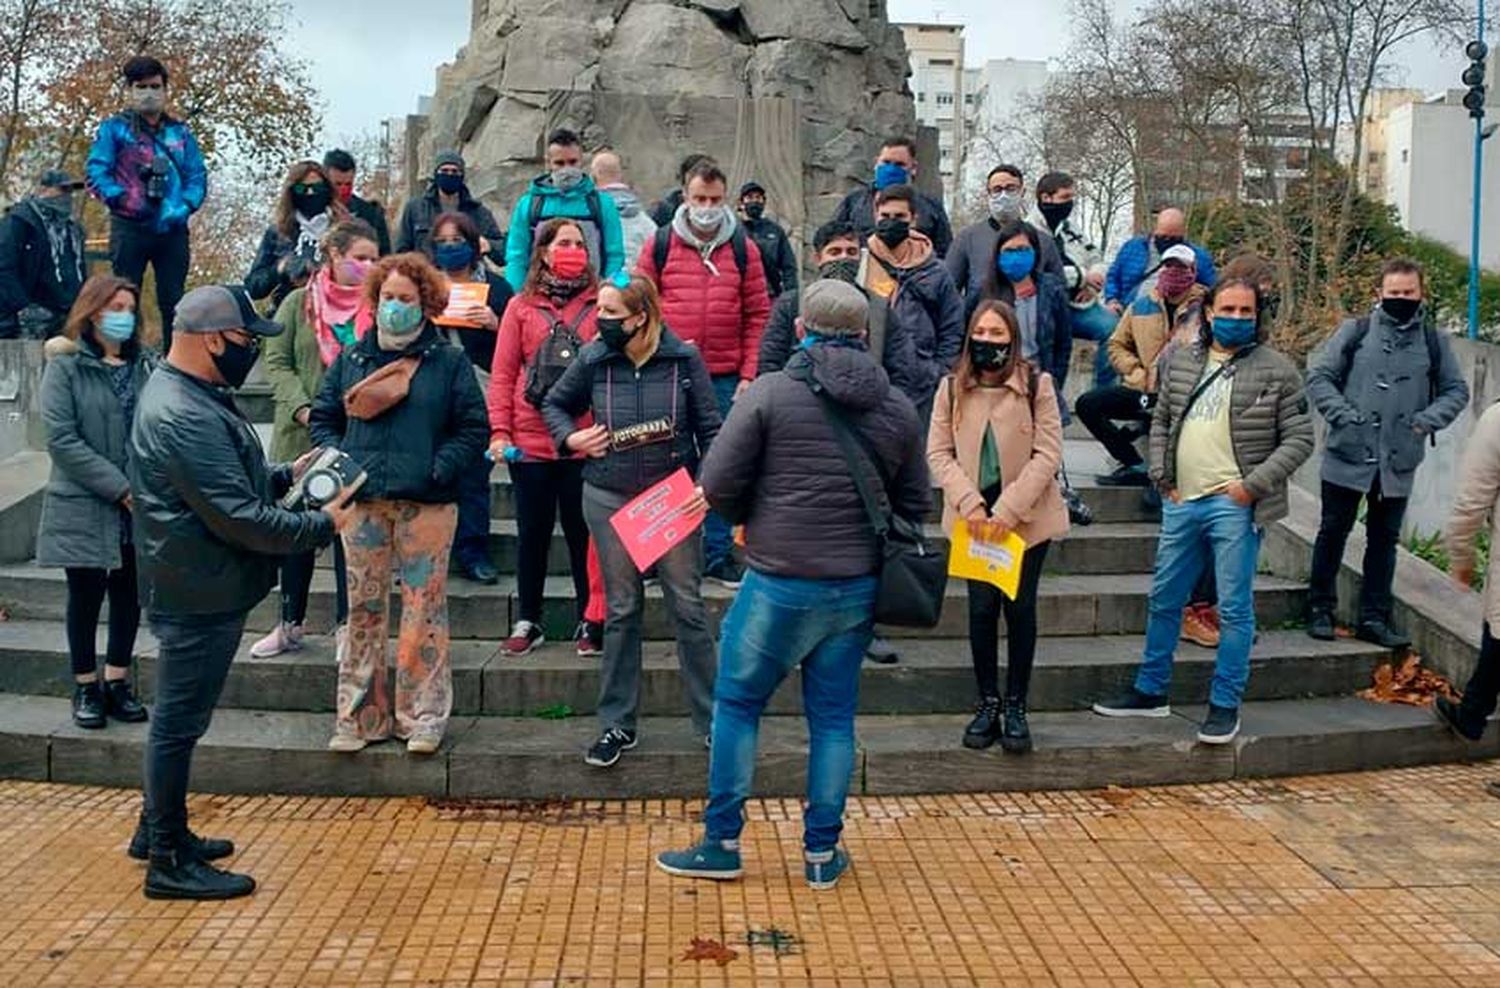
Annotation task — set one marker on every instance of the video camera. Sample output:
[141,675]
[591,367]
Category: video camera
[331,472]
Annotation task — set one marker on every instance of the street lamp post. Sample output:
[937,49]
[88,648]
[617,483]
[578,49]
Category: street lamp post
[1477,50]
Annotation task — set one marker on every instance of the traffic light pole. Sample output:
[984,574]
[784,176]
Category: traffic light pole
[1478,215]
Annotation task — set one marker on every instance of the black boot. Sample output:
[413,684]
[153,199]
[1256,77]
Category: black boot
[179,875]
[1016,736]
[122,703]
[88,705]
[1320,626]
[984,729]
[1382,634]
[203,848]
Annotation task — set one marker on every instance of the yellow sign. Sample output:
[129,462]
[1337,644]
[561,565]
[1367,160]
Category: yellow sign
[998,563]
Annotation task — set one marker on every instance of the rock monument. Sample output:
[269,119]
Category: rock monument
[795,94]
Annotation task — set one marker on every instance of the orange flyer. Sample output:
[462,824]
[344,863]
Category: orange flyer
[656,521]
[462,296]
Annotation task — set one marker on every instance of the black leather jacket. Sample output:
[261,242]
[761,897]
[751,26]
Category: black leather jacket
[208,532]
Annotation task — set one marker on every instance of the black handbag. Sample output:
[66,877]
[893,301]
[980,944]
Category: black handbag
[913,576]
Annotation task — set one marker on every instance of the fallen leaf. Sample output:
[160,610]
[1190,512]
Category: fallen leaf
[705,949]
[1117,797]
[1409,684]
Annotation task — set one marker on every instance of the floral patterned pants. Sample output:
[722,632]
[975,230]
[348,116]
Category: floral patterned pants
[413,540]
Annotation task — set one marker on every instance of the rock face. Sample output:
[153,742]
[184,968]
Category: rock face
[796,94]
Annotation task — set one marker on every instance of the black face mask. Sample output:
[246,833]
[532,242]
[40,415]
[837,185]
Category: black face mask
[1400,310]
[613,333]
[754,210]
[1164,244]
[314,201]
[842,269]
[987,356]
[235,362]
[1056,213]
[892,232]
[448,182]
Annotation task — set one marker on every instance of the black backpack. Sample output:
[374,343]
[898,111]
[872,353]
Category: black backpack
[554,356]
[663,243]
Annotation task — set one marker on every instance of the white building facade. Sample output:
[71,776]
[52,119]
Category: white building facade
[936,53]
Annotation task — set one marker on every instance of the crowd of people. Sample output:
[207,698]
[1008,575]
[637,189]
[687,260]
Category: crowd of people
[595,347]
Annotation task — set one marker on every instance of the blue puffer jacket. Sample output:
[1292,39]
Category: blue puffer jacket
[1134,263]
[120,163]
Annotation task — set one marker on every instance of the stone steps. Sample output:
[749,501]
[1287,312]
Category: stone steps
[516,758]
[933,676]
[1068,605]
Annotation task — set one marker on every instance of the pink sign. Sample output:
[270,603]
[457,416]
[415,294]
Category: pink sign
[657,520]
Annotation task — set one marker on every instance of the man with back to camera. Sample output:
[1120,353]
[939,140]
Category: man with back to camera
[209,533]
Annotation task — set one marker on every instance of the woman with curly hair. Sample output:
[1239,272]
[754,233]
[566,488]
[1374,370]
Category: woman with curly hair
[403,403]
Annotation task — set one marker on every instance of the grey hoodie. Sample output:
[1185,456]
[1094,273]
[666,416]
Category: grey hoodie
[635,225]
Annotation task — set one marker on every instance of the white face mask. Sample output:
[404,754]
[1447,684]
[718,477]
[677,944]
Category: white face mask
[567,177]
[1005,206]
[706,217]
[147,100]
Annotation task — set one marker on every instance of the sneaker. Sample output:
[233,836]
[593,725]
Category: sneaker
[984,729]
[1220,726]
[882,652]
[283,638]
[590,639]
[717,860]
[726,573]
[1134,703]
[88,705]
[1197,627]
[424,743]
[524,639]
[1320,626]
[202,848]
[346,742]
[823,869]
[606,751]
[1131,476]
[1452,716]
[480,571]
[1382,634]
[121,702]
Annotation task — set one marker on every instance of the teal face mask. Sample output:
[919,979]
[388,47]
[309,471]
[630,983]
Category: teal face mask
[117,327]
[1230,332]
[398,318]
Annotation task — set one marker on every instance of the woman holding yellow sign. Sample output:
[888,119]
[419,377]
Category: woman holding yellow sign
[995,446]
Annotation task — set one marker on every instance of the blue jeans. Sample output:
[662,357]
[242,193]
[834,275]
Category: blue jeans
[775,624]
[1097,323]
[718,535]
[1194,534]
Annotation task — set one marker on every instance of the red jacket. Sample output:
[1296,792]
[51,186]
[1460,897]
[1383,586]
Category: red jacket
[722,315]
[514,420]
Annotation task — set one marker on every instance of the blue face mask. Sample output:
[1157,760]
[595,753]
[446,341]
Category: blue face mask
[1016,264]
[888,173]
[398,318]
[117,327]
[1232,333]
[453,257]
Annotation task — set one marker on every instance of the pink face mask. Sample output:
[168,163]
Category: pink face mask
[351,272]
[1175,279]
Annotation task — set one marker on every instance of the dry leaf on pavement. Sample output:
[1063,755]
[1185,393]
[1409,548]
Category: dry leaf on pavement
[705,949]
[1409,684]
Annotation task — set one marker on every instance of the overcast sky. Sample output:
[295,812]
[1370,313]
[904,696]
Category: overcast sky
[373,60]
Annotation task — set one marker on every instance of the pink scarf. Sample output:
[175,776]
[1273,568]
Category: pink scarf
[332,307]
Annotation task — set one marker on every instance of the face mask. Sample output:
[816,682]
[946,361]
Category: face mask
[1400,310]
[1233,332]
[345,191]
[706,217]
[1005,206]
[117,327]
[1016,264]
[312,199]
[235,362]
[449,183]
[1056,213]
[892,232]
[453,257]
[1164,244]
[613,333]
[1174,280]
[60,206]
[351,272]
[755,210]
[987,356]
[398,318]
[888,173]
[842,269]
[147,101]
[569,261]
[567,178]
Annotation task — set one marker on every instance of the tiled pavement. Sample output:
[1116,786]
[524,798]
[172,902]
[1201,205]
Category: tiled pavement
[1387,879]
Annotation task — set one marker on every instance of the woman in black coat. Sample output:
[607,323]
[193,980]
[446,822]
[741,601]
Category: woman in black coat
[291,249]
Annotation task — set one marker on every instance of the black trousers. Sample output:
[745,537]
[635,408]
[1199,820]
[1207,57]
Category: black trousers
[87,589]
[296,583]
[1383,516]
[545,490]
[132,246]
[1483,690]
[193,657]
[986,603]
[1100,409]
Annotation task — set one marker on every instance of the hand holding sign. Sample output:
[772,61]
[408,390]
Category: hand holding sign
[660,519]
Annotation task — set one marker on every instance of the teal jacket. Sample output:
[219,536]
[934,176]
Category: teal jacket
[597,211]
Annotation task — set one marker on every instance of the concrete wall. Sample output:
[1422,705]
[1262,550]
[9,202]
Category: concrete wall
[20,394]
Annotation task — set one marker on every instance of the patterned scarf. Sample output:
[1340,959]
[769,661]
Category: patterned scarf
[338,314]
[562,290]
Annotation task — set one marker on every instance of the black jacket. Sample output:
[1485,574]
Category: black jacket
[777,467]
[266,279]
[886,335]
[208,534]
[374,214]
[420,213]
[664,209]
[479,344]
[30,273]
[418,450]
[605,382]
[858,207]
[776,255]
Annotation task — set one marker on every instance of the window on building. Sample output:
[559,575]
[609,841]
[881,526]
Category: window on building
[940,61]
[1405,155]
[944,99]
[968,99]
[921,97]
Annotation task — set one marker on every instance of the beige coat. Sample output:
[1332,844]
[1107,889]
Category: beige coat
[1478,501]
[1030,454]
[1142,333]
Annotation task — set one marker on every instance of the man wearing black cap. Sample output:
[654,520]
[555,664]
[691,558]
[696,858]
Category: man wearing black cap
[41,259]
[448,193]
[776,252]
[209,533]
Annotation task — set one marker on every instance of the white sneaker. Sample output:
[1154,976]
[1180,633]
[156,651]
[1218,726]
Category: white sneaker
[423,744]
[283,638]
[347,743]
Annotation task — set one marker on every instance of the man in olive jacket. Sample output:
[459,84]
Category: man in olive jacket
[208,536]
[1385,382]
[1230,427]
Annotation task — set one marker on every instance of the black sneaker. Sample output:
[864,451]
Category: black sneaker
[882,652]
[481,571]
[606,751]
[1125,476]
[726,573]
[1320,626]
[182,876]
[122,703]
[88,705]
[1015,736]
[1220,726]
[1382,634]
[202,848]
[1452,716]
[1134,703]
[984,729]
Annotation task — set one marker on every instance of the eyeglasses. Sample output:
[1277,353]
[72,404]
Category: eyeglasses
[306,188]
